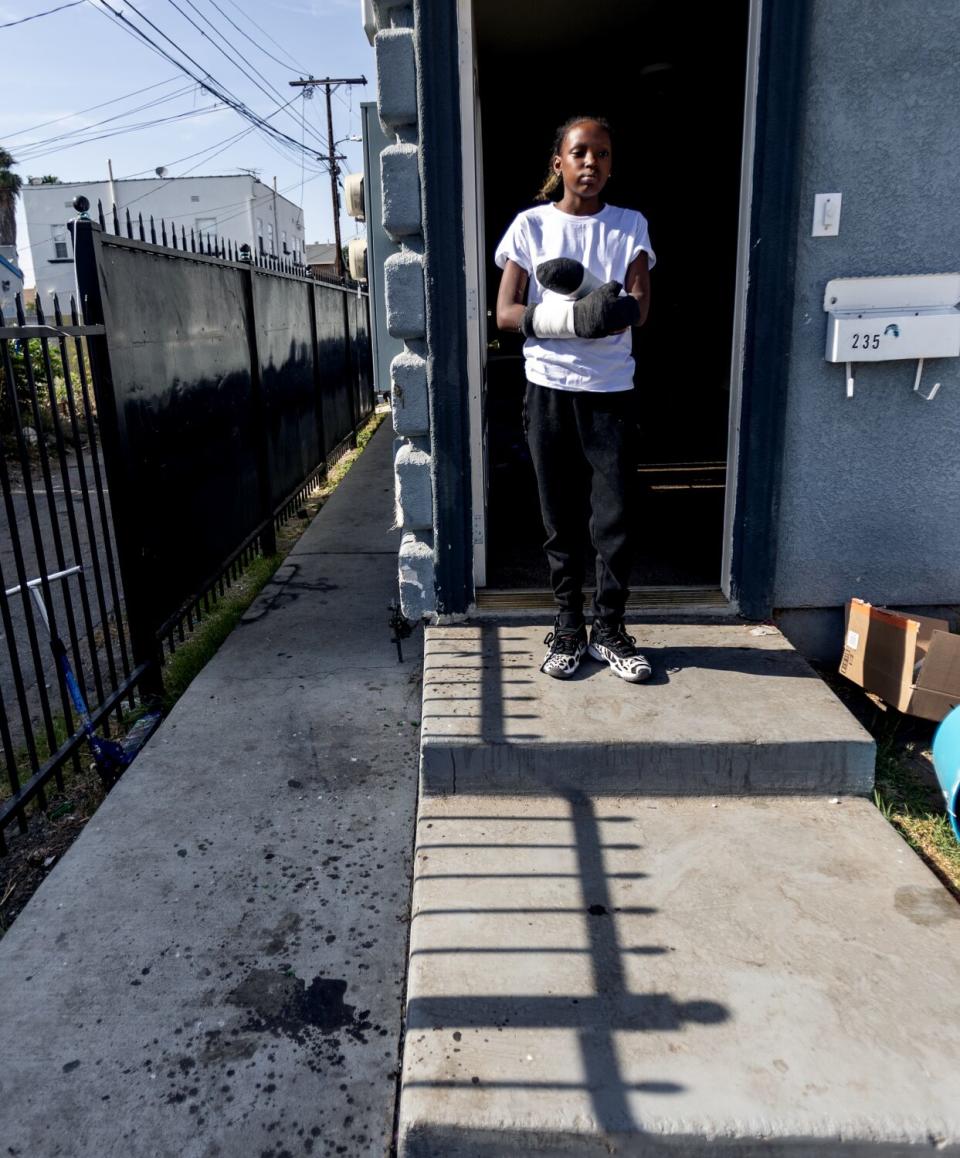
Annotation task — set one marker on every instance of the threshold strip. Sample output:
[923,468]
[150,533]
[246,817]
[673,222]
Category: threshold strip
[641,599]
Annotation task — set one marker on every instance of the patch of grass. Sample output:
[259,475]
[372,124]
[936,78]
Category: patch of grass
[906,790]
[205,640]
[909,801]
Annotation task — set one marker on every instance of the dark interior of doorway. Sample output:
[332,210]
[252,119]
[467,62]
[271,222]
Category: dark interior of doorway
[670,79]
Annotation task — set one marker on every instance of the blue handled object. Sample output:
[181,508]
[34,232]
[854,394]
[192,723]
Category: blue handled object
[946,761]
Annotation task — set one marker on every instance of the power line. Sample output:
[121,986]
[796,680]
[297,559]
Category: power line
[62,147]
[256,44]
[89,109]
[37,15]
[258,27]
[206,81]
[253,68]
[29,146]
[220,146]
[226,142]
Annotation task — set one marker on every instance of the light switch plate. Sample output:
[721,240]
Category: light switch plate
[826,214]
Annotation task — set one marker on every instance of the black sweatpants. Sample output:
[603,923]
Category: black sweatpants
[583,450]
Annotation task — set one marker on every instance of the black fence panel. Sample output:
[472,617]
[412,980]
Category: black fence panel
[334,364]
[285,346]
[225,385]
[188,435]
[362,353]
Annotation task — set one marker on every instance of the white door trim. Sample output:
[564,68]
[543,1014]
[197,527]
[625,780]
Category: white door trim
[476,330]
[740,291]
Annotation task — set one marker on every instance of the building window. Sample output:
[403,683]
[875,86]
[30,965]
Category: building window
[283,242]
[270,235]
[260,234]
[194,196]
[60,251]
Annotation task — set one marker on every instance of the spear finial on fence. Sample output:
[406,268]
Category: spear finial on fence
[153,231]
[18,303]
[116,221]
[173,236]
[103,224]
[143,236]
[183,237]
[74,312]
[163,231]
[57,311]
[38,307]
[129,225]
[193,243]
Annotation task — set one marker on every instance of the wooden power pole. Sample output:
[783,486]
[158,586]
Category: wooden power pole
[329,83]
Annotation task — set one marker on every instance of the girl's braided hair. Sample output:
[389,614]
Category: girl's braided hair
[553,181]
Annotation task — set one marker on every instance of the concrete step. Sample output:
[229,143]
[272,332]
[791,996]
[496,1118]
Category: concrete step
[740,977]
[727,711]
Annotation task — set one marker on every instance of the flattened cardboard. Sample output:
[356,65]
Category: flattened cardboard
[910,661]
[941,666]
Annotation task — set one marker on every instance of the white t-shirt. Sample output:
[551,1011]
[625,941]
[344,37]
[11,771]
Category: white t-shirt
[606,243]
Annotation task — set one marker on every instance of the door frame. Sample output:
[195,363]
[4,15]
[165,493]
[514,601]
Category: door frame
[740,297]
[473,242]
[775,59]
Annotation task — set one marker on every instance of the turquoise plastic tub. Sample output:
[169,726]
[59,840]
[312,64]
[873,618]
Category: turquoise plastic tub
[946,761]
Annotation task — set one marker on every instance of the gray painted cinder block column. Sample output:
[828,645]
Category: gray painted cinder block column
[425,294]
[405,300]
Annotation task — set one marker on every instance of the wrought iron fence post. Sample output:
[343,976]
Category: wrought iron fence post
[268,536]
[86,245]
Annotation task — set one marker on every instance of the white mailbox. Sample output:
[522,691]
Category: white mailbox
[879,319]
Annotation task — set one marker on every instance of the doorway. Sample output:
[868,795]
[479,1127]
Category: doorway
[671,79]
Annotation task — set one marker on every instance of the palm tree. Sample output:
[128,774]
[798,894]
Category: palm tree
[10,184]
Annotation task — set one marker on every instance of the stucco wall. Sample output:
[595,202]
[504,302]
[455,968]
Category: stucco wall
[870,499]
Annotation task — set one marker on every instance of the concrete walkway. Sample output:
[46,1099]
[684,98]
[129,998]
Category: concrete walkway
[216,967]
[657,977]
[603,959]
[662,920]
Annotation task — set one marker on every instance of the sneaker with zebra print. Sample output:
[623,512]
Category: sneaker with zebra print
[612,645]
[568,645]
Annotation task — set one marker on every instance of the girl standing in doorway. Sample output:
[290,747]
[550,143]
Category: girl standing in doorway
[564,264]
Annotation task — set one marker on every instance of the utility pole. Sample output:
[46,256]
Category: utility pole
[329,83]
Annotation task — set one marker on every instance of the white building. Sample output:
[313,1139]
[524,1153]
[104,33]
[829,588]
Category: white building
[240,209]
[11,279]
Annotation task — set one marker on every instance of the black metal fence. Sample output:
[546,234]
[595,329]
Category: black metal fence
[57,516]
[157,442]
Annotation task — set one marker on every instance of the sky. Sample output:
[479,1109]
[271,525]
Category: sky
[68,61]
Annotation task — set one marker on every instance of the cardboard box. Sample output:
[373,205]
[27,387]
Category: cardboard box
[910,661]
